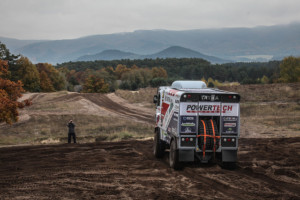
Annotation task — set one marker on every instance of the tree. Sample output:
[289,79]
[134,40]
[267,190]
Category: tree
[264,80]
[290,70]
[95,84]
[120,70]
[137,78]
[46,84]
[6,55]
[9,93]
[203,79]
[156,82]
[56,78]
[159,72]
[28,74]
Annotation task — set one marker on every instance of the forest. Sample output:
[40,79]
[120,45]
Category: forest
[184,68]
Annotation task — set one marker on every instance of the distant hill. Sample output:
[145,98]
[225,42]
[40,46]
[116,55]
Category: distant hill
[238,44]
[109,55]
[171,52]
[181,52]
[14,44]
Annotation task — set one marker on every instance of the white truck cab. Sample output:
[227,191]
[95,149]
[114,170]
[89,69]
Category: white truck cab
[196,123]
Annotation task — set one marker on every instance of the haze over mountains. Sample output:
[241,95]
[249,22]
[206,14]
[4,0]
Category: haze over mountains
[171,52]
[215,45]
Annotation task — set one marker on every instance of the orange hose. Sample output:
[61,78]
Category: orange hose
[204,145]
[214,134]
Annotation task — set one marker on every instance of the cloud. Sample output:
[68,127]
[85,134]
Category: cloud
[61,19]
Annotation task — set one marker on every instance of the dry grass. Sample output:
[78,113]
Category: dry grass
[144,95]
[288,92]
[274,106]
[89,128]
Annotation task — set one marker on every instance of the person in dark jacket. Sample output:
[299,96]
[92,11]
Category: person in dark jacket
[71,133]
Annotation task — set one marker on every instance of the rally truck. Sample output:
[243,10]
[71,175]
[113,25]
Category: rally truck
[196,123]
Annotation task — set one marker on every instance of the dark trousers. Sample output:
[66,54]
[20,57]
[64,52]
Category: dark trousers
[71,135]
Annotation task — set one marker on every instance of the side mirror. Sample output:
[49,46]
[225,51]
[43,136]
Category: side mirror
[155,99]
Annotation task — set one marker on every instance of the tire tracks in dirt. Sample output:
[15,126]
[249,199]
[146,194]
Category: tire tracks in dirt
[128,169]
[106,103]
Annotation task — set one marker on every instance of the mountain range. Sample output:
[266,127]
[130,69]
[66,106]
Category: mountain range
[171,52]
[261,43]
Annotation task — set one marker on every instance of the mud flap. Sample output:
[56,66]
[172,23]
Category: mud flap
[229,155]
[186,155]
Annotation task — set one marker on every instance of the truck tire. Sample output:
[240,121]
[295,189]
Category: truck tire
[174,157]
[158,146]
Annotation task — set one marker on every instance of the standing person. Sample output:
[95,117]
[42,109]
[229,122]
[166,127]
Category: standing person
[71,126]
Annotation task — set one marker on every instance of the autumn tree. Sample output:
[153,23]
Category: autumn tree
[264,80]
[159,72]
[53,74]
[95,84]
[110,70]
[290,69]
[28,74]
[9,93]
[120,70]
[45,82]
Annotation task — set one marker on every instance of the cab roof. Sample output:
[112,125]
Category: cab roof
[188,85]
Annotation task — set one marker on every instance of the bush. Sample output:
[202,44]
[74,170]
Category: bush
[156,82]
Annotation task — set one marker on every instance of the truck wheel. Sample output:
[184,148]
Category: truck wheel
[173,156]
[159,146]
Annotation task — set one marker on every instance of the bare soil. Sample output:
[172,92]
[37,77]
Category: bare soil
[267,169]
[268,158]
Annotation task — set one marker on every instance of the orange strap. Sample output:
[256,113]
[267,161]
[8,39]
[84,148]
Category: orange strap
[214,134]
[209,136]
[204,145]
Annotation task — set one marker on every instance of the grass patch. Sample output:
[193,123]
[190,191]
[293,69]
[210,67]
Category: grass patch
[53,129]
[143,95]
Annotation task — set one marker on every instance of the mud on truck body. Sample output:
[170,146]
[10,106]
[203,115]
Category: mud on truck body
[196,123]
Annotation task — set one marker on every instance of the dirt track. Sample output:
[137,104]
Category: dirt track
[267,168]
[123,111]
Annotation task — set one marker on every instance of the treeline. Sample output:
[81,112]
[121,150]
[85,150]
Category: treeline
[194,69]
[108,79]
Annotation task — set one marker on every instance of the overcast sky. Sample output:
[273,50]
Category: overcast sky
[66,19]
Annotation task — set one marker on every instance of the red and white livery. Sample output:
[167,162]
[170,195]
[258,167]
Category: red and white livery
[196,123]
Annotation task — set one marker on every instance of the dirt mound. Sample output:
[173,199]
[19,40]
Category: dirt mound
[267,169]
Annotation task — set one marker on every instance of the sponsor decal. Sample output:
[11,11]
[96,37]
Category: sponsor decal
[229,124]
[176,115]
[172,92]
[203,108]
[165,107]
[188,118]
[188,124]
[209,108]
[172,127]
[168,99]
[230,119]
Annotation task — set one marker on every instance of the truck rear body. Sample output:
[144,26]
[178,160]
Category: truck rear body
[202,121]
